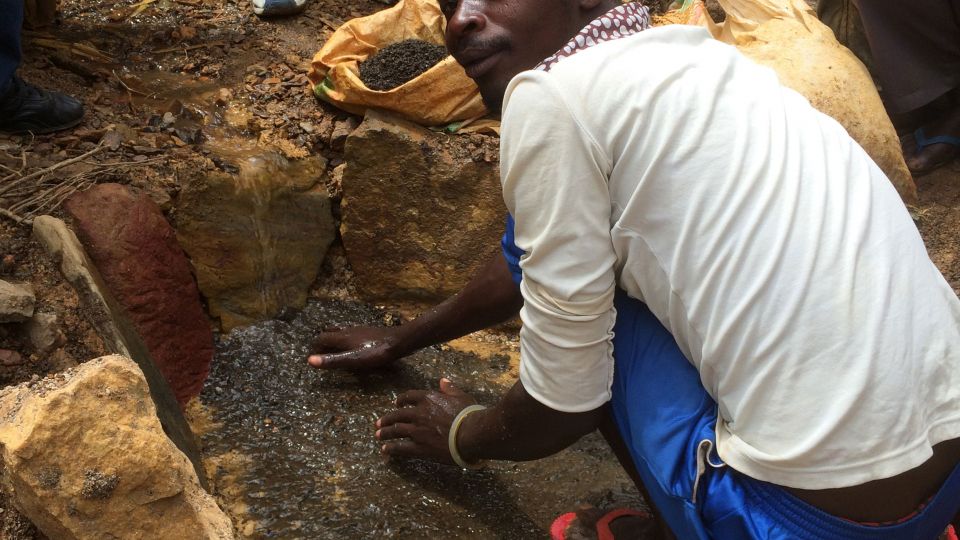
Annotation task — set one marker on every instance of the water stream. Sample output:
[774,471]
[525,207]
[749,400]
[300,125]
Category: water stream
[312,466]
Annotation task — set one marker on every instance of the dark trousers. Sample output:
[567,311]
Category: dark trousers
[11,20]
[916,48]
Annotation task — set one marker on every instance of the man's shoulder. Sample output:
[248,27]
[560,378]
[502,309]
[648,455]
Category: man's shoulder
[662,46]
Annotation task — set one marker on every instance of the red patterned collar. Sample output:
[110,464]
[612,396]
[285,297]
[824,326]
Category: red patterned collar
[621,21]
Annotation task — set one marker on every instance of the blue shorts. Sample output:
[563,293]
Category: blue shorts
[668,421]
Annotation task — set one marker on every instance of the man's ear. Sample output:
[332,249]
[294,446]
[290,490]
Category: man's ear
[590,5]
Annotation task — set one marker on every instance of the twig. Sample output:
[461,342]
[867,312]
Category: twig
[186,48]
[128,89]
[50,169]
[8,214]
[79,49]
[328,23]
[140,7]
[23,163]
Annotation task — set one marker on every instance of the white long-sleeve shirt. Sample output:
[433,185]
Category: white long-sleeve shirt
[755,229]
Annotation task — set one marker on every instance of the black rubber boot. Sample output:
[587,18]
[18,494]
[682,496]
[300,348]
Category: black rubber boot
[26,108]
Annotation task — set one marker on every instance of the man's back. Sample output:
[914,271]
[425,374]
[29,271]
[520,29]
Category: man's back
[757,231]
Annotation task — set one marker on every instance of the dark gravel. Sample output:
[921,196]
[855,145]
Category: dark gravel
[315,469]
[400,62]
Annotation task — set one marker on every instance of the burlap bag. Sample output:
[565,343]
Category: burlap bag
[440,96]
[786,36]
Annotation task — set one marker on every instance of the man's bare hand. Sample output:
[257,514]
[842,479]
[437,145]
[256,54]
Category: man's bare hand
[359,347]
[420,425]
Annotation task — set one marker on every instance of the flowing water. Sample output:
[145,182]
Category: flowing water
[313,468]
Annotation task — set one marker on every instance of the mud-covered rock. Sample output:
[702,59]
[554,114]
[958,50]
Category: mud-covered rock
[85,456]
[421,211]
[16,302]
[137,253]
[256,239]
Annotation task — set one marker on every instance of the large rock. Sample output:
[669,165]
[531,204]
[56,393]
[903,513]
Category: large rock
[256,239]
[137,253]
[111,323]
[86,457]
[16,302]
[421,211]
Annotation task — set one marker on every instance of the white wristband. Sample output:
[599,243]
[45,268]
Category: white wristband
[452,438]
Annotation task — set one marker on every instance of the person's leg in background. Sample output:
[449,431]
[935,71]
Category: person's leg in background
[916,57]
[24,107]
[11,19]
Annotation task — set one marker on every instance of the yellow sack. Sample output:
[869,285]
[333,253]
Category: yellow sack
[441,95]
[786,36]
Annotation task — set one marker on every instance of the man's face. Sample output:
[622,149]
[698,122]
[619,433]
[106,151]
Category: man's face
[496,39]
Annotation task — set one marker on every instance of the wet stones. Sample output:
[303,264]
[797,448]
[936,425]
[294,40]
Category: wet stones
[44,333]
[137,254]
[85,456]
[16,302]
[256,239]
[400,62]
[421,211]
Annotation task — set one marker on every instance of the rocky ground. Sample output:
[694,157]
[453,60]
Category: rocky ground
[177,87]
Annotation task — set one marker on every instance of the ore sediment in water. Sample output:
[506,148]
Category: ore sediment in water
[315,469]
[400,62]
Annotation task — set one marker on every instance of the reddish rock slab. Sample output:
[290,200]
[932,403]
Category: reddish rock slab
[136,251]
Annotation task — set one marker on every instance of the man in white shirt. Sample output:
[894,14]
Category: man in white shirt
[710,264]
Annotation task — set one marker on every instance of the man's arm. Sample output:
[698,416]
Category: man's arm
[519,428]
[489,298]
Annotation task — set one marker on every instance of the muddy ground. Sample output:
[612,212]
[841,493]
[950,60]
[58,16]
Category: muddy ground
[163,76]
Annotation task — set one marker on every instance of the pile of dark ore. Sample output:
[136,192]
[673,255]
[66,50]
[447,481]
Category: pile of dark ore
[400,62]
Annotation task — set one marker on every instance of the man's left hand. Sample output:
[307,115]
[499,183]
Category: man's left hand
[421,424]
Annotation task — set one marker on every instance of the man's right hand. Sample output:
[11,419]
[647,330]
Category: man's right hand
[359,347]
[491,297]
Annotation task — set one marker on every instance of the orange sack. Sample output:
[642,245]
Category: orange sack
[441,95]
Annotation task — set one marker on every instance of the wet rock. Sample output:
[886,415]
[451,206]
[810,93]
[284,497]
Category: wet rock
[113,327]
[7,264]
[44,332]
[85,456]
[136,252]
[224,96]
[257,239]
[325,128]
[10,358]
[342,130]
[16,302]
[419,214]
